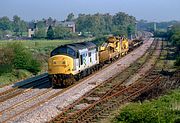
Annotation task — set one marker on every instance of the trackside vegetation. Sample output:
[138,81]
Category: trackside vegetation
[166,109]
[174,38]
[16,60]
[38,50]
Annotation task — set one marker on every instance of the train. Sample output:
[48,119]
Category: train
[72,62]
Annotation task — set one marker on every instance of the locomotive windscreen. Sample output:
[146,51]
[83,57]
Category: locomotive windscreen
[63,51]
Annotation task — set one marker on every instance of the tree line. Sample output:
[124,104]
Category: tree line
[15,27]
[86,25]
[161,27]
[91,25]
[98,24]
[173,35]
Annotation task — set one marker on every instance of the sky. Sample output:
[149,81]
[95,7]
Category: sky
[151,10]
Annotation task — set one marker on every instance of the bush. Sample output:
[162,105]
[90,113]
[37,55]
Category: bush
[22,58]
[177,63]
[146,113]
[34,66]
[20,74]
[6,58]
[163,110]
[5,68]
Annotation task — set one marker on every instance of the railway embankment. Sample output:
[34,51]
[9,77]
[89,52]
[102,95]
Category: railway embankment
[54,106]
[153,103]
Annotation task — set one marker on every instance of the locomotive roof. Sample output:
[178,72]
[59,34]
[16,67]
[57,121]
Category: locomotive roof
[89,45]
[79,46]
[83,45]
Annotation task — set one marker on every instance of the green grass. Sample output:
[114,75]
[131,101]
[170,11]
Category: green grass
[42,46]
[40,50]
[166,109]
[43,43]
[37,43]
[14,76]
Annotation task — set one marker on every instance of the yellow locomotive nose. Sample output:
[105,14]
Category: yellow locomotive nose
[60,64]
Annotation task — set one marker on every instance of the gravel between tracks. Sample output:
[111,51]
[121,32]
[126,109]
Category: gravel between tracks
[24,106]
[53,107]
[17,99]
[146,67]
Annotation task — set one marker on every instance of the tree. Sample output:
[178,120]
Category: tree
[5,23]
[108,22]
[40,33]
[103,24]
[70,17]
[61,32]
[41,24]
[131,29]
[19,26]
[16,24]
[174,37]
[50,33]
[23,27]
[1,34]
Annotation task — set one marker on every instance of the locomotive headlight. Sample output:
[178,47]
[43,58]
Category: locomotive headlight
[54,62]
[63,62]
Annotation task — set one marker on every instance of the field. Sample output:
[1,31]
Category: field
[40,50]
[36,44]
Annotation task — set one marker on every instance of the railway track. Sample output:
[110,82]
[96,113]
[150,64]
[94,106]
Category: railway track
[17,109]
[75,112]
[13,111]
[103,106]
[8,94]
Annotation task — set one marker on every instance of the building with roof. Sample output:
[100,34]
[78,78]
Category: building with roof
[49,22]
[31,29]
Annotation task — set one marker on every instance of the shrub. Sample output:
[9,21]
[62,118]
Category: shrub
[155,111]
[6,58]
[5,68]
[20,74]
[34,66]
[22,58]
[177,63]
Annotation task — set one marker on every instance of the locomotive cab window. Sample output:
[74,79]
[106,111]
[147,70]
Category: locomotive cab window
[71,52]
[64,50]
[81,57]
[77,54]
[89,54]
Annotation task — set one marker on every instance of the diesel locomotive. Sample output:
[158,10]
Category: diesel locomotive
[71,62]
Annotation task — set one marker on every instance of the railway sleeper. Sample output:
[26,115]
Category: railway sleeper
[89,117]
[59,118]
[92,98]
[81,106]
